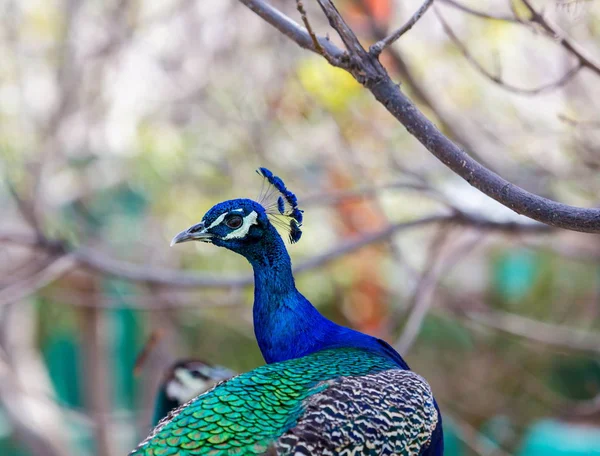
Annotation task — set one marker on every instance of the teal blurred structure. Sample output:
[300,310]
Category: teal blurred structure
[556,438]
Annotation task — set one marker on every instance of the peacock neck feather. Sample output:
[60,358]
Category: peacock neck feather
[286,324]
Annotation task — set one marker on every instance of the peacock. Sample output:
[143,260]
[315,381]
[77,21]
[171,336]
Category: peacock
[184,380]
[325,390]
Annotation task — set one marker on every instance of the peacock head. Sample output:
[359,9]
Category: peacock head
[188,378]
[239,224]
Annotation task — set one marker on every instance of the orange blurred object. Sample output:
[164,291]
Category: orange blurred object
[365,303]
[379,10]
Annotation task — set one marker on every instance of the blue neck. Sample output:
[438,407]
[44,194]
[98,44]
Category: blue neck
[286,324]
[163,405]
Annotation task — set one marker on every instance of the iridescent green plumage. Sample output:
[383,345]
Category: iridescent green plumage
[327,390]
[251,412]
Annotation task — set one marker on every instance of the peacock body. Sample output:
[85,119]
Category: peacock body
[326,389]
[334,402]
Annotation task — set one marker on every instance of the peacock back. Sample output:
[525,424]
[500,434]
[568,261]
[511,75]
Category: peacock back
[334,402]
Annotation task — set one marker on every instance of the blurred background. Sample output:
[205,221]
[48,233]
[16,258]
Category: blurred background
[122,122]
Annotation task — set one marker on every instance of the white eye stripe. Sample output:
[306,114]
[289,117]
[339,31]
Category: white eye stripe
[242,231]
[221,217]
[217,221]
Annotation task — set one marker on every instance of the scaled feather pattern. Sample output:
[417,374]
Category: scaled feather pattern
[334,402]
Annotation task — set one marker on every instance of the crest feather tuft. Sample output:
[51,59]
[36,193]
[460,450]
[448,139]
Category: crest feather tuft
[284,211]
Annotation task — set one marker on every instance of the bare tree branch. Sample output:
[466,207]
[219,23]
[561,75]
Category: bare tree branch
[378,47]
[25,388]
[573,49]
[97,380]
[437,266]
[313,36]
[480,14]
[476,441]
[56,269]
[96,261]
[368,71]
[338,23]
[421,95]
[290,28]
[497,79]
[546,333]
[538,19]
[584,124]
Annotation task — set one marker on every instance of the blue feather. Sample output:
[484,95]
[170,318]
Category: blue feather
[294,213]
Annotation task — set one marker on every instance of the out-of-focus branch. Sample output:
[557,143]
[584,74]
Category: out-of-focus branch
[538,19]
[26,287]
[422,298]
[367,70]
[584,124]
[438,265]
[23,380]
[496,78]
[587,408]
[378,47]
[546,333]
[96,373]
[478,13]
[96,261]
[477,442]
[572,48]
[27,210]
[333,197]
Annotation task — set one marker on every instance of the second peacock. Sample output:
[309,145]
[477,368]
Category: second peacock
[326,389]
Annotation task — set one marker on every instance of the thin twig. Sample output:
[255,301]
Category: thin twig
[291,29]
[479,443]
[378,47]
[584,124]
[480,14]
[26,209]
[338,23]
[421,300]
[559,36]
[564,79]
[315,40]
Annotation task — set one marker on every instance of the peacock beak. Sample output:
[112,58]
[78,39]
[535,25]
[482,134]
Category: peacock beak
[194,233]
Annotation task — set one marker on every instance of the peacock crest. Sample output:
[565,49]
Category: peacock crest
[281,204]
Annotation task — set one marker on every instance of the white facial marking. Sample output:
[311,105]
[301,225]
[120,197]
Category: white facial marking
[217,221]
[237,210]
[242,231]
[188,387]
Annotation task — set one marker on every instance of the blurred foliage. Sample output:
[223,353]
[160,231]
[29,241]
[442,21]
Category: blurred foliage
[122,123]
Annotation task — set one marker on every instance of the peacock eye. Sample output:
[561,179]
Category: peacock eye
[234,221]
